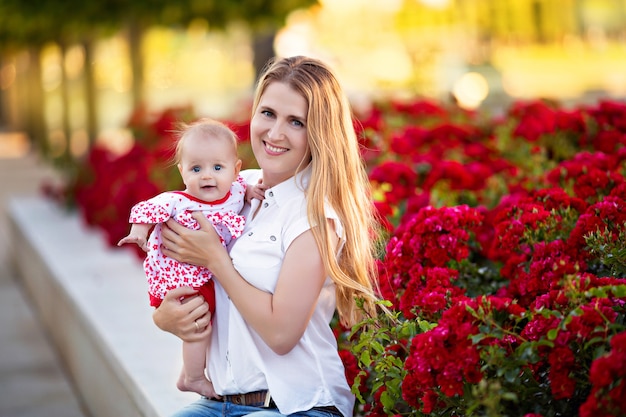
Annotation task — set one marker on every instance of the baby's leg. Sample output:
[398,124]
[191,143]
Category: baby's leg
[192,377]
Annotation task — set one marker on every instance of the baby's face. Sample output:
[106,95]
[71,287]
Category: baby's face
[208,166]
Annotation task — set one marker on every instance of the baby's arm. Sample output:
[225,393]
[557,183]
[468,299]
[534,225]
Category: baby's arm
[138,234]
[255,191]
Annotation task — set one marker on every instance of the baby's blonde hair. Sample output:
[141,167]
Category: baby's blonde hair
[205,127]
[338,178]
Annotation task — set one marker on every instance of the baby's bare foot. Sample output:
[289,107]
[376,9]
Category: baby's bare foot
[199,385]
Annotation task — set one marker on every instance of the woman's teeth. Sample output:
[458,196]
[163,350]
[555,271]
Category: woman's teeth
[274,149]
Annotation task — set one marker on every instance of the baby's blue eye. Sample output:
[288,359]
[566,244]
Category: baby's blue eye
[217,167]
[195,169]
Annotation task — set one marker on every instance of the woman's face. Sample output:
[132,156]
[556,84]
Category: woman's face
[278,133]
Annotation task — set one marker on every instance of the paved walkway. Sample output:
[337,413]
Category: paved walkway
[32,379]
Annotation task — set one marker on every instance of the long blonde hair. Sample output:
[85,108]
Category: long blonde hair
[338,177]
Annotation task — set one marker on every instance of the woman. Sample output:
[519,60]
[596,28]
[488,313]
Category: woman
[306,251]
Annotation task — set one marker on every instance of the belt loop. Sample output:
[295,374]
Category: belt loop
[268,398]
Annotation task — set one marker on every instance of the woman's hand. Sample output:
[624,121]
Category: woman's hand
[184,314]
[196,247]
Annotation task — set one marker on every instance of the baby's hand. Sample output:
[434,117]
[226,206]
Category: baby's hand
[139,240]
[256,191]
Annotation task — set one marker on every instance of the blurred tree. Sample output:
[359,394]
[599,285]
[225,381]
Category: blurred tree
[264,17]
[30,25]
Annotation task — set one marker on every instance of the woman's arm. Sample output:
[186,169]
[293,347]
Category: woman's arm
[279,318]
[179,312]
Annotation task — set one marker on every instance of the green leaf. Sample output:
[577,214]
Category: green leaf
[552,334]
[387,401]
[510,396]
[426,326]
[365,358]
[512,375]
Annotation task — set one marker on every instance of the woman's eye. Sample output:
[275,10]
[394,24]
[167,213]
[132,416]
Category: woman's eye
[267,113]
[298,123]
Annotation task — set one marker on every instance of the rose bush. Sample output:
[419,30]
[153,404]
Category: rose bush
[503,267]
[504,260]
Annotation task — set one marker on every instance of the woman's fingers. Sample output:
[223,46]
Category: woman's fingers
[204,323]
[187,245]
[180,293]
[171,239]
[199,329]
[185,314]
[204,223]
[170,232]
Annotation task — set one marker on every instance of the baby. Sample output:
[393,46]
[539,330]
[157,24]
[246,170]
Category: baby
[206,155]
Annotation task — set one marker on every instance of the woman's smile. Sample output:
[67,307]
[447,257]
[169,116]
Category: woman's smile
[274,149]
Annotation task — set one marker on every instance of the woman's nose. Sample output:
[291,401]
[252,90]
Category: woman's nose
[276,131]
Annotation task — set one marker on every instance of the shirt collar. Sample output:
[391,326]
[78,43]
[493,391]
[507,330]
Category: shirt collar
[291,187]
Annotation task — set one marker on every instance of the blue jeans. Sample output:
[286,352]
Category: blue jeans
[209,408]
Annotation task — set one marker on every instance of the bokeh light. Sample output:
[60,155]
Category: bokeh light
[470,90]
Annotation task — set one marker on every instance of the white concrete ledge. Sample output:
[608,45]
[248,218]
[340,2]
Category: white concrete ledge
[92,299]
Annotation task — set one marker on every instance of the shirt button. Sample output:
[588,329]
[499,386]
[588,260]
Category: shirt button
[265,204]
[271,193]
[273,238]
[250,234]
